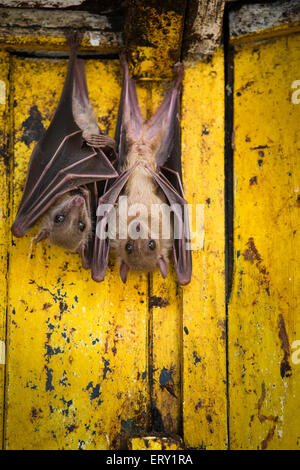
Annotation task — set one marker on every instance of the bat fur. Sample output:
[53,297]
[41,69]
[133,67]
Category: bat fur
[141,188]
[68,221]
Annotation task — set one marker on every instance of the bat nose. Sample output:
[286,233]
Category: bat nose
[77,201]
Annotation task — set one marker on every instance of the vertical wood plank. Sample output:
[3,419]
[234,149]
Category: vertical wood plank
[77,349]
[264,322]
[165,308]
[4,211]
[204,350]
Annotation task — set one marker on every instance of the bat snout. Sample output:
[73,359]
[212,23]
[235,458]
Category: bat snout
[77,201]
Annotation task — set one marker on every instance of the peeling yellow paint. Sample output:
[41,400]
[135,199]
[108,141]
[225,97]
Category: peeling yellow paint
[81,354]
[264,307]
[155,443]
[2,92]
[91,365]
[4,207]
[204,357]
[52,43]
[268,33]
[155,51]
[77,349]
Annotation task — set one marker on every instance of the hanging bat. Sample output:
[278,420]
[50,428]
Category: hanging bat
[149,166]
[72,153]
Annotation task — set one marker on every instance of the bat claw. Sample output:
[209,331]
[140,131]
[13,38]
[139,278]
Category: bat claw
[74,38]
[179,70]
[124,62]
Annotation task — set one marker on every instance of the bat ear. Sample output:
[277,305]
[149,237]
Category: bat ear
[85,258]
[163,266]
[41,236]
[124,271]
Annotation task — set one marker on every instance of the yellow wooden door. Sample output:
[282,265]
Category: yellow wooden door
[76,358]
[264,321]
[107,366]
[92,365]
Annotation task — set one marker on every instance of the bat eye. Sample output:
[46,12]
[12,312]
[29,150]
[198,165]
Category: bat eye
[59,218]
[129,247]
[151,245]
[81,226]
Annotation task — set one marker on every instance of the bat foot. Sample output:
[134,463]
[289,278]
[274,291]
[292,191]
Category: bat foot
[123,61]
[74,38]
[99,141]
[179,70]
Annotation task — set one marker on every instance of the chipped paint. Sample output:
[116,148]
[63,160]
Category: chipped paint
[156,443]
[92,365]
[285,368]
[94,38]
[203,298]
[2,352]
[75,346]
[4,234]
[2,92]
[263,319]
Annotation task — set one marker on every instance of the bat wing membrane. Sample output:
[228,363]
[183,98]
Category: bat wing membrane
[61,161]
[168,176]
[101,243]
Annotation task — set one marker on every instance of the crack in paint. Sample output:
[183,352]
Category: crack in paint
[285,368]
[251,254]
[262,418]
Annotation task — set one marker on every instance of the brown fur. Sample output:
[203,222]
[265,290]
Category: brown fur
[141,188]
[67,233]
[85,119]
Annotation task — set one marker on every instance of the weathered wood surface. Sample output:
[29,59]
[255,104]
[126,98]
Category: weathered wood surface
[24,27]
[102,5]
[4,216]
[204,320]
[250,18]
[77,369]
[264,321]
[153,36]
[203,27]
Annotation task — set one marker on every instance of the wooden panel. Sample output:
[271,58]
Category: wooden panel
[4,211]
[77,349]
[264,320]
[156,443]
[165,320]
[166,308]
[204,351]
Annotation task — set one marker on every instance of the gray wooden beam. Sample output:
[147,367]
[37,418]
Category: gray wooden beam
[203,27]
[254,17]
[41,3]
[30,22]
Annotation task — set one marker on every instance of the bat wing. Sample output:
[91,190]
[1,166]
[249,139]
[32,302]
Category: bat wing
[61,161]
[130,112]
[182,244]
[101,240]
[91,195]
[168,176]
[165,124]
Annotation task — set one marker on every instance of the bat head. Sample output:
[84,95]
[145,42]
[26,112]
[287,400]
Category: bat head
[67,223]
[144,253]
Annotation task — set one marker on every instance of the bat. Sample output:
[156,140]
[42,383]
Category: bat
[72,154]
[149,168]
